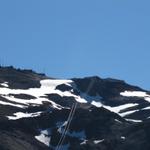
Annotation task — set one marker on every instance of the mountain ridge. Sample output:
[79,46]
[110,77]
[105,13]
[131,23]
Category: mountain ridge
[34,113]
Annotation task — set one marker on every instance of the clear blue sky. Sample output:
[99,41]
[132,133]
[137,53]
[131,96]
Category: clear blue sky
[76,38]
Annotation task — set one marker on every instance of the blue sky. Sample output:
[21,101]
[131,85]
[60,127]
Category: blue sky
[66,38]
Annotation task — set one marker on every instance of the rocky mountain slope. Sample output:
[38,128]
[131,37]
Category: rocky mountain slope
[42,113]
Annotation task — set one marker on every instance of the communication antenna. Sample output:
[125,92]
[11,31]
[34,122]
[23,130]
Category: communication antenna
[1,62]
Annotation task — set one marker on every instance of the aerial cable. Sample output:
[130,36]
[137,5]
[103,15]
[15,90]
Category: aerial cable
[64,131]
[68,125]
[72,112]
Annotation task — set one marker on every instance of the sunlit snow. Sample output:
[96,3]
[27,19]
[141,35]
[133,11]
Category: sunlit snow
[128,113]
[43,139]
[136,94]
[20,115]
[123,138]
[117,109]
[133,120]
[97,104]
[47,86]
[118,121]
[5,84]
[98,141]
[146,108]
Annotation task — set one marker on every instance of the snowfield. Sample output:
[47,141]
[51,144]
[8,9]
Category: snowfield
[48,86]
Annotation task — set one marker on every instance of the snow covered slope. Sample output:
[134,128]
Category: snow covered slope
[41,113]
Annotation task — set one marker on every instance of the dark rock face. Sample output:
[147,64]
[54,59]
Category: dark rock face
[105,87]
[91,111]
[20,79]
[63,87]
[22,96]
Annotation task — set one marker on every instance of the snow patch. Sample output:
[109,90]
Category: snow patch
[5,84]
[20,115]
[118,121]
[43,139]
[123,138]
[46,131]
[84,142]
[133,120]
[45,136]
[146,108]
[97,104]
[117,109]
[136,94]
[128,113]
[48,86]
[33,102]
[11,104]
[98,141]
